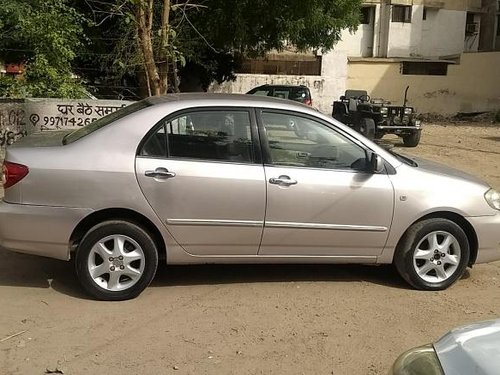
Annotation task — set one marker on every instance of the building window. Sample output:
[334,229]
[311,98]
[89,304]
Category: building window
[401,13]
[424,68]
[471,27]
[366,15]
[424,16]
[498,25]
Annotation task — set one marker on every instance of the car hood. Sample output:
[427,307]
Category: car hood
[443,170]
[472,349]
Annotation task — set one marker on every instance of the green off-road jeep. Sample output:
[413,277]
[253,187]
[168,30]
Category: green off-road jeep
[376,117]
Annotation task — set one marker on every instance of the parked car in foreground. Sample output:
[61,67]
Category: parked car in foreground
[300,94]
[200,178]
[471,349]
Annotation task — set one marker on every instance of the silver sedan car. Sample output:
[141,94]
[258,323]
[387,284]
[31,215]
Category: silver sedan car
[199,178]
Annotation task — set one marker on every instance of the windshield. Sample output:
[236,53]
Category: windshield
[103,121]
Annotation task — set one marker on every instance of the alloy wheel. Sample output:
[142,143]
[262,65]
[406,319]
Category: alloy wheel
[437,257]
[116,262]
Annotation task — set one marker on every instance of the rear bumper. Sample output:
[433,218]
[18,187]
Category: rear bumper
[38,230]
[488,234]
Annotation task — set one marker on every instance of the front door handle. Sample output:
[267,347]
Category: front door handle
[282,181]
[161,173]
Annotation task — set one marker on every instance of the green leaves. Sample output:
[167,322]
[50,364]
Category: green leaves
[45,35]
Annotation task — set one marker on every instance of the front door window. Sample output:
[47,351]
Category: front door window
[302,142]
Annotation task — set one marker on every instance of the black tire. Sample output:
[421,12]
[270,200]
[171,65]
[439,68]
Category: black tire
[413,139]
[136,241]
[366,126]
[414,241]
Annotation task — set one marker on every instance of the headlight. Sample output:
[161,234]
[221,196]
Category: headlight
[493,199]
[408,111]
[420,361]
[384,110]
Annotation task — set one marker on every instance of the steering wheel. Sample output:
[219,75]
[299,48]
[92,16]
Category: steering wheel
[364,98]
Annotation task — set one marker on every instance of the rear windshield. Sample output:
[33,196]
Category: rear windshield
[103,121]
[283,92]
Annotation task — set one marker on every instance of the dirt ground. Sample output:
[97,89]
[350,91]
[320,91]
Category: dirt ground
[246,319]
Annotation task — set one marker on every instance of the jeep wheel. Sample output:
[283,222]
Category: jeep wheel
[366,126]
[413,139]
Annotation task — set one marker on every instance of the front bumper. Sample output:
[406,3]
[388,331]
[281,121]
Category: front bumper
[38,230]
[488,234]
[398,127]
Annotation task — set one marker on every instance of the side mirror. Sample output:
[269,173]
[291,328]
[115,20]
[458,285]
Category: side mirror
[376,163]
[343,97]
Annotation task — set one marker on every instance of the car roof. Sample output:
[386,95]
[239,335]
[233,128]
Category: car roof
[284,86]
[211,99]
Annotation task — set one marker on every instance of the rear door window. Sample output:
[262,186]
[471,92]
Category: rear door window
[223,135]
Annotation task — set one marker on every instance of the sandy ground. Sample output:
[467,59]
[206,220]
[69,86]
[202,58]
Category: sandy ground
[246,319]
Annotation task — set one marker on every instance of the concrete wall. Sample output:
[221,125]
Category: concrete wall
[324,88]
[471,86]
[443,33]
[405,38]
[360,42]
[21,117]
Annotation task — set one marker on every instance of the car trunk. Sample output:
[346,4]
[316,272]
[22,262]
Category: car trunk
[31,152]
[42,139]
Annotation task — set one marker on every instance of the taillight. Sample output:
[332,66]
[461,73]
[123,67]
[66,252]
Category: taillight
[308,102]
[13,173]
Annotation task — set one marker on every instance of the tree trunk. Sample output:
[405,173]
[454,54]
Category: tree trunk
[163,48]
[144,24]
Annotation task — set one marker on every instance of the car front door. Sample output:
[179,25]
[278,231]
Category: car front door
[322,200]
[201,172]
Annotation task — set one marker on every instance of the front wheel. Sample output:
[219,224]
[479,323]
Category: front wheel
[413,139]
[433,254]
[116,260]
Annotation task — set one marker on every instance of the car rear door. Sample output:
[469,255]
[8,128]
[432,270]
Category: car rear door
[201,172]
[321,200]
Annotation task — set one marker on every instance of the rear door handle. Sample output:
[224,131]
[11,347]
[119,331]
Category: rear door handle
[160,173]
[282,181]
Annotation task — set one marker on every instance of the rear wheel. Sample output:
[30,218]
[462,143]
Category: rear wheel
[116,260]
[433,254]
[413,139]
[366,126]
